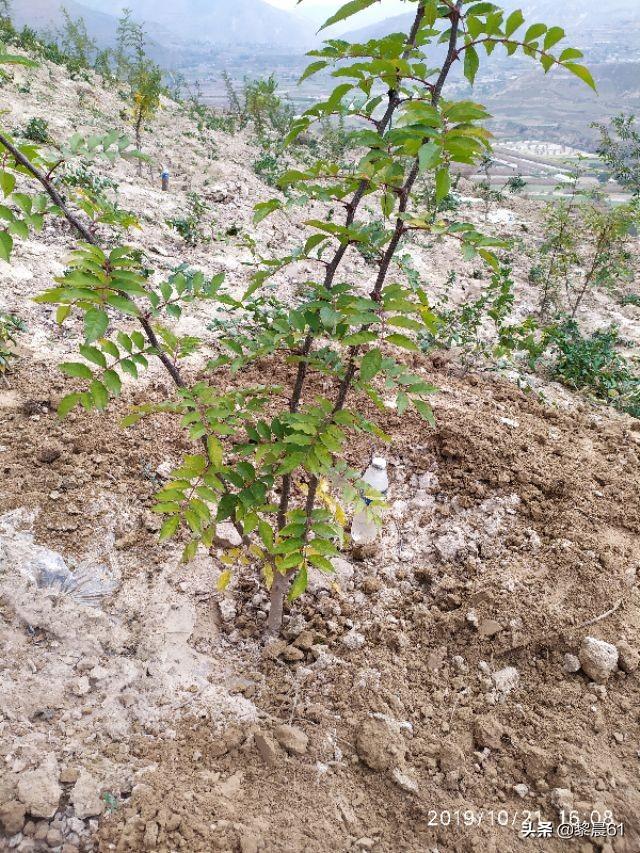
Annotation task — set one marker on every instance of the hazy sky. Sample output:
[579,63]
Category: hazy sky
[319,10]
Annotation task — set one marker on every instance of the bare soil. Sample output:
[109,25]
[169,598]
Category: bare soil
[426,688]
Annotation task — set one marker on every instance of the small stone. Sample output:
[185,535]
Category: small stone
[49,453]
[489,628]
[227,536]
[228,611]
[629,659]
[487,732]
[562,799]
[570,663]
[521,790]
[273,649]
[83,686]
[85,796]
[54,838]
[404,781]
[379,744]
[293,739]
[598,658]
[150,839]
[12,817]
[293,654]
[39,789]
[305,640]
[353,640]
[269,750]
[506,680]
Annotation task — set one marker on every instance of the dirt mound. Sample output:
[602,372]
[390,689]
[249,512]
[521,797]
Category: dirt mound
[433,685]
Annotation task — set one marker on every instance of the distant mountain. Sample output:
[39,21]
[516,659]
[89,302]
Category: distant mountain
[580,18]
[46,16]
[219,22]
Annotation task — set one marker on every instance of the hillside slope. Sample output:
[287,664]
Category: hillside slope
[430,682]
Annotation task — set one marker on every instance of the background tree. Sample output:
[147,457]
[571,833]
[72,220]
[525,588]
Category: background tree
[620,149]
[75,40]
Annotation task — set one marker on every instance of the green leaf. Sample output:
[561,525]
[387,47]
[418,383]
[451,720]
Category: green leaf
[534,32]
[443,184]
[224,580]
[346,11]
[322,563]
[100,394]
[123,304]
[92,354]
[169,528]
[96,323]
[370,365]
[429,155]
[112,381]
[7,182]
[62,312]
[67,404]
[426,412]
[582,72]
[515,20]
[6,245]
[553,36]
[76,369]
[402,341]
[299,584]
[471,63]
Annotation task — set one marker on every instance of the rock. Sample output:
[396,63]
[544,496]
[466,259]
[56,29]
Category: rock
[54,838]
[450,757]
[521,790]
[39,789]
[404,781]
[305,640]
[293,654]
[228,611]
[85,796]
[49,453]
[342,575]
[379,744]
[598,658]
[269,750]
[537,763]
[12,817]
[628,658]
[562,799]
[506,680]
[487,732]
[150,839]
[227,536]
[570,663]
[273,649]
[489,628]
[353,640]
[293,739]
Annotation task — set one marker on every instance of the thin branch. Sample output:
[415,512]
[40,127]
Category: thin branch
[89,237]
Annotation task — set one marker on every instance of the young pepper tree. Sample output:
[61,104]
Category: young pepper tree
[273,462]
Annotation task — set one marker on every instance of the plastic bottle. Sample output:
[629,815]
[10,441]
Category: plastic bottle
[165,180]
[364,530]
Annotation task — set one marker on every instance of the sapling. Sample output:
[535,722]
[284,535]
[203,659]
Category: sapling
[271,459]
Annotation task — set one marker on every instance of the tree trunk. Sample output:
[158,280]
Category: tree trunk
[279,589]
